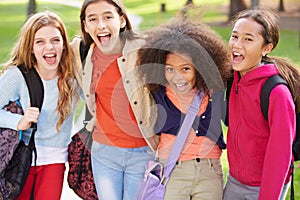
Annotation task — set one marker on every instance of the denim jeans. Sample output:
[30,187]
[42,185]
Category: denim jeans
[118,172]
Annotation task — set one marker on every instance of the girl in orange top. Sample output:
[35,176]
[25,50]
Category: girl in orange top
[178,59]
[123,136]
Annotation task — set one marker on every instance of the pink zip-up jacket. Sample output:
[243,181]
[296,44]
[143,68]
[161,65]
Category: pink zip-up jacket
[260,151]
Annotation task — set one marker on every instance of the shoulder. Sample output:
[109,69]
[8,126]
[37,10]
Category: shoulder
[75,41]
[160,94]
[12,82]
[133,45]
[11,74]
[281,91]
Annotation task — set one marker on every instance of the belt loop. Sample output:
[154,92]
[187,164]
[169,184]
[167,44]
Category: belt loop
[179,163]
[197,161]
[210,164]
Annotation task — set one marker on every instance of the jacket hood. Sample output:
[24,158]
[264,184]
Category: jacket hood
[261,72]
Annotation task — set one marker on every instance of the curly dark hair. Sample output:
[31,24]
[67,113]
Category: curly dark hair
[207,50]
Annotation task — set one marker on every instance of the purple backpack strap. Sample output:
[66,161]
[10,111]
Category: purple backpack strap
[182,134]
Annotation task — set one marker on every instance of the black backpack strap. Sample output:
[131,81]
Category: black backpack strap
[35,86]
[36,93]
[292,195]
[83,50]
[270,83]
[228,88]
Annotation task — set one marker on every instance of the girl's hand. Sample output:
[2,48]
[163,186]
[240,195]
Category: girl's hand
[30,116]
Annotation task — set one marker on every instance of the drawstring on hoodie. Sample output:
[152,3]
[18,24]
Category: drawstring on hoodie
[236,89]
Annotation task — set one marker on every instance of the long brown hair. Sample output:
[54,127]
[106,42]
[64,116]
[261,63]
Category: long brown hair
[270,32]
[22,54]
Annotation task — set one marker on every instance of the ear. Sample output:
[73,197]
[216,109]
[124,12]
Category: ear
[267,49]
[123,21]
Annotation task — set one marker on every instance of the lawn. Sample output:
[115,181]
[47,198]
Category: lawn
[149,10]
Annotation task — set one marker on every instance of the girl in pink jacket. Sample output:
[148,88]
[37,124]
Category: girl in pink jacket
[259,151]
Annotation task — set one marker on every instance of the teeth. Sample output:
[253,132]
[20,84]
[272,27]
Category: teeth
[236,54]
[103,34]
[49,55]
[180,85]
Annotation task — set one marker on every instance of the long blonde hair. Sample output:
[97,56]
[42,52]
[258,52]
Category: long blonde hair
[22,54]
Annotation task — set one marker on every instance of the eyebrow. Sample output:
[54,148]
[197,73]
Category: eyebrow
[54,37]
[182,65]
[104,13]
[248,34]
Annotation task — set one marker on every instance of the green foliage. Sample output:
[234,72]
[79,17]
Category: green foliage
[152,15]
[11,22]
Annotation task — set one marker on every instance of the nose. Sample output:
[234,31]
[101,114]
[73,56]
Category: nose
[101,24]
[236,44]
[177,75]
[49,45]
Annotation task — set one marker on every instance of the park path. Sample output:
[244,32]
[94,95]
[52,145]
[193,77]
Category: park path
[134,19]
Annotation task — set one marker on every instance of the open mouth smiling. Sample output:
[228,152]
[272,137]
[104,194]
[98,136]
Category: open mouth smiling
[50,58]
[237,57]
[104,38]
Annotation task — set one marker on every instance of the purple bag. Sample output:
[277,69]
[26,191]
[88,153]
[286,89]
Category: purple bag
[151,187]
[9,139]
[156,176]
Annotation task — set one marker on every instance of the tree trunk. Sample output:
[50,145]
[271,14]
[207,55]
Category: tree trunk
[31,9]
[188,2]
[281,7]
[235,7]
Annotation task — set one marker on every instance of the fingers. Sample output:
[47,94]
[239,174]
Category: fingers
[30,116]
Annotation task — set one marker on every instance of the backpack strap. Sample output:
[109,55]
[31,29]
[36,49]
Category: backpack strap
[270,83]
[229,83]
[36,93]
[35,86]
[83,50]
[227,94]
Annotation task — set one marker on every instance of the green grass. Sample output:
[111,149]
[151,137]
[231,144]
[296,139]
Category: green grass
[11,22]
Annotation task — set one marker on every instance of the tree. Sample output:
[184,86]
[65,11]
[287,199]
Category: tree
[281,6]
[188,2]
[31,9]
[236,6]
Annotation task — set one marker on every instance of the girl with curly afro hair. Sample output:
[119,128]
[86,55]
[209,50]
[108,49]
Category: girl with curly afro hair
[178,60]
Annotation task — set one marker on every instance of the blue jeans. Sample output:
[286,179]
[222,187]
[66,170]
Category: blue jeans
[118,172]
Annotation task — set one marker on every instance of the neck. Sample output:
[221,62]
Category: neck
[46,74]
